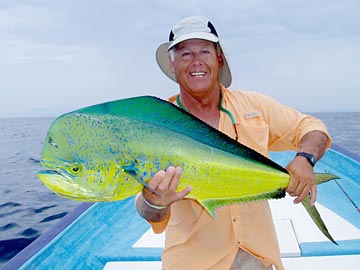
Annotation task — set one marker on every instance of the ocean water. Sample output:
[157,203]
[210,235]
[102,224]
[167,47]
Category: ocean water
[28,208]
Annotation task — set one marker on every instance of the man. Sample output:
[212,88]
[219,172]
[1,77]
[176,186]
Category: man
[242,236]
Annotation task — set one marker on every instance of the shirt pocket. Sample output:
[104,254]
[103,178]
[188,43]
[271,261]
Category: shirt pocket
[254,133]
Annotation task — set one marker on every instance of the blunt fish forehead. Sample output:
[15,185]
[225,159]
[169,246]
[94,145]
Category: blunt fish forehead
[78,135]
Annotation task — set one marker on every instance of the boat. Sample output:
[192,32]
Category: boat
[112,235]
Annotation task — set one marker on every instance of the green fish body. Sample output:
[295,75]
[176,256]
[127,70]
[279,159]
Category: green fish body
[110,151]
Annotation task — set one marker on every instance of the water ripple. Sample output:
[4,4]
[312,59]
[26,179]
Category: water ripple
[8,226]
[53,217]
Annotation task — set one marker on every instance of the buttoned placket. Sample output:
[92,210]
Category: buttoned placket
[235,220]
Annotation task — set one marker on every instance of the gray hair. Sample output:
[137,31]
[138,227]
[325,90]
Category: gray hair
[172,54]
[173,49]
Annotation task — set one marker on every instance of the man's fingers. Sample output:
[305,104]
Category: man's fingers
[163,186]
[302,196]
[175,179]
[291,189]
[305,192]
[156,180]
[182,194]
[313,195]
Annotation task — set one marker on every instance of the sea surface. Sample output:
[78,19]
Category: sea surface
[28,208]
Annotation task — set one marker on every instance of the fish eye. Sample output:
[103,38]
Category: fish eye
[75,168]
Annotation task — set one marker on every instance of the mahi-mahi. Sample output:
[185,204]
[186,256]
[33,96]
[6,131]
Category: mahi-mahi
[110,151]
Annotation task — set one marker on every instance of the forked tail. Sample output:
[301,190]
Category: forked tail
[313,212]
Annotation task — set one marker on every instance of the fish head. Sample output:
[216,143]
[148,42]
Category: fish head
[81,159]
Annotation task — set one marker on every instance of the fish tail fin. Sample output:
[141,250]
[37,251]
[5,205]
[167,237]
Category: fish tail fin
[324,177]
[313,212]
[315,216]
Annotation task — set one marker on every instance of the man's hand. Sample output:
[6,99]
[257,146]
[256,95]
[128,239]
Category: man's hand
[155,206]
[165,184]
[302,180]
[302,177]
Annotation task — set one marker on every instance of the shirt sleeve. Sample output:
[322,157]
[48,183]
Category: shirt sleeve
[159,227]
[287,125]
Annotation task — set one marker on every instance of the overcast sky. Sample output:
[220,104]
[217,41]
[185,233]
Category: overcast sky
[57,56]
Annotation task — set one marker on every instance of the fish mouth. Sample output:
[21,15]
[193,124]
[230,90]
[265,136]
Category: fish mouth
[57,182]
[50,172]
[66,186]
[55,175]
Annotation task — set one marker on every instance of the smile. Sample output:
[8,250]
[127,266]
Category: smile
[198,74]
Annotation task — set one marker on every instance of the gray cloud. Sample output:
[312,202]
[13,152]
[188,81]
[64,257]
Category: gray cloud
[69,54]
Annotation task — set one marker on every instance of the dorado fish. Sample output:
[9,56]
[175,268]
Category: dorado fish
[110,151]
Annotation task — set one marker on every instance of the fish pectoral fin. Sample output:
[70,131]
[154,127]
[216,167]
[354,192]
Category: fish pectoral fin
[133,170]
[211,204]
[315,216]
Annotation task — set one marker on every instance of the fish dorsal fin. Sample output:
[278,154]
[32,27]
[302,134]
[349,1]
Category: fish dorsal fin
[164,114]
[211,204]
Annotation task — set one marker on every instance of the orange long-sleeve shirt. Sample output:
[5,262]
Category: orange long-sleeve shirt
[194,240]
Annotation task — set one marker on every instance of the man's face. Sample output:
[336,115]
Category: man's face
[197,65]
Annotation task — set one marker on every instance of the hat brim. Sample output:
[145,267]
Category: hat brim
[163,60]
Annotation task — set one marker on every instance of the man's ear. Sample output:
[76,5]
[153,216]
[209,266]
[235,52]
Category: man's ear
[221,60]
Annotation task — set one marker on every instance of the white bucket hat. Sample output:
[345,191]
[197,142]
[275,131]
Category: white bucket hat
[192,27]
